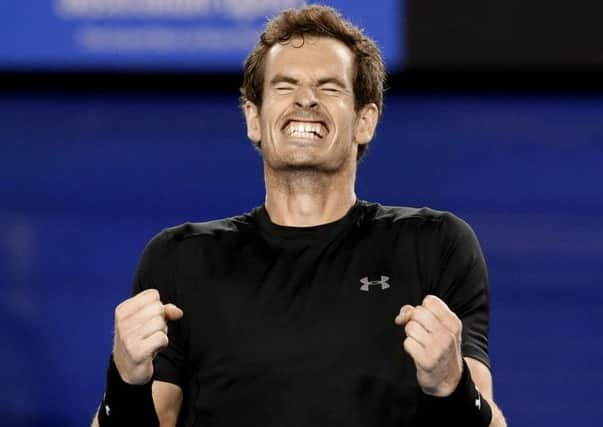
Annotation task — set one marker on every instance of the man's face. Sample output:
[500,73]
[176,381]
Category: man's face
[307,119]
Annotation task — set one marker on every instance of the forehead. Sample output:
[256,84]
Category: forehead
[310,58]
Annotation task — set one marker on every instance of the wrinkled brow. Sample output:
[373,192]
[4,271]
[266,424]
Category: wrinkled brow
[281,78]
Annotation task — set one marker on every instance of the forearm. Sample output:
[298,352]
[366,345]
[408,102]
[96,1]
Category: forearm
[482,377]
[95,419]
[498,419]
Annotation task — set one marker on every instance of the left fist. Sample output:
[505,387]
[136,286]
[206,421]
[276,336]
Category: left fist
[433,340]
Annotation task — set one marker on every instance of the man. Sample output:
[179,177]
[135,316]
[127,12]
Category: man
[316,308]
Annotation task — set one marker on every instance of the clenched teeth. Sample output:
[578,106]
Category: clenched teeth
[311,130]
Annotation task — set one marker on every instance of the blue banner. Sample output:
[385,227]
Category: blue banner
[161,35]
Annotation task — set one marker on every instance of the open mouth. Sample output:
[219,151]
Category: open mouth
[305,129]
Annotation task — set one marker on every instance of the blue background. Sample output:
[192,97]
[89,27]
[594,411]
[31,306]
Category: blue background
[85,181]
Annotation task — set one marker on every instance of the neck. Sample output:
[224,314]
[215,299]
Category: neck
[304,198]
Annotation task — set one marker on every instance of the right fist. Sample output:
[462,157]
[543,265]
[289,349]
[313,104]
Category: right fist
[140,332]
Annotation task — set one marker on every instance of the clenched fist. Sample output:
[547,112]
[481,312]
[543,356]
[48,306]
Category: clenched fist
[140,332]
[433,340]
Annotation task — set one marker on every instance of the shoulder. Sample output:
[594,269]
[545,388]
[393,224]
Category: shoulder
[195,232]
[180,247]
[443,221]
[439,228]
[192,230]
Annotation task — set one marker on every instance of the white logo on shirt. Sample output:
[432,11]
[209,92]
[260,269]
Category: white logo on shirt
[366,283]
[478,400]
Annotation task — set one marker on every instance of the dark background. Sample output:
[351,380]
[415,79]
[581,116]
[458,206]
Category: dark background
[513,34]
[495,114]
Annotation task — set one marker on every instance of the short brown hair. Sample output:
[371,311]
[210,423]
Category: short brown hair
[322,21]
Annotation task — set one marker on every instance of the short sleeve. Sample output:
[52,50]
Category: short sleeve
[157,270]
[463,284]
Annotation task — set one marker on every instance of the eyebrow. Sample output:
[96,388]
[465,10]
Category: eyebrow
[332,80]
[282,78]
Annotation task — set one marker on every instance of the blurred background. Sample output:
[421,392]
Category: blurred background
[120,117]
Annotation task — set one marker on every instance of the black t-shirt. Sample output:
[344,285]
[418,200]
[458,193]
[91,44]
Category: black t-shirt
[294,326]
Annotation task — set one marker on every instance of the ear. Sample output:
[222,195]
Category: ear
[252,118]
[366,122]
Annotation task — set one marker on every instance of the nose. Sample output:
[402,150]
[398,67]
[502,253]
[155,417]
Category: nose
[305,98]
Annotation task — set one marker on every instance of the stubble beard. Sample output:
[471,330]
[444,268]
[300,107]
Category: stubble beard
[298,167]
[305,175]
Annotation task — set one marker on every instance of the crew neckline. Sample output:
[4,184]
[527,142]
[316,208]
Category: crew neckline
[306,232]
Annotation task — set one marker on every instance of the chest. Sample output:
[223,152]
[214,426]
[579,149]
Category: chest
[256,307]
[279,333]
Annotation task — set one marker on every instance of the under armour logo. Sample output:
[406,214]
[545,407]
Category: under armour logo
[383,283]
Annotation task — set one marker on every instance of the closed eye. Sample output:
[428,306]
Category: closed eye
[331,85]
[332,89]
[283,88]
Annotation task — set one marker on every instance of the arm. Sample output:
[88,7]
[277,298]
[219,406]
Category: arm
[141,331]
[483,380]
[452,321]
[167,398]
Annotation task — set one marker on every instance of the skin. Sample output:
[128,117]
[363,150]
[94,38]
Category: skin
[309,181]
